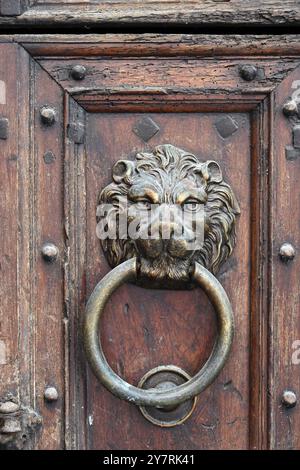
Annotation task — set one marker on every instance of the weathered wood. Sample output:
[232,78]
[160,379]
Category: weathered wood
[138,81]
[9,308]
[187,83]
[32,316]
[75,279]
[145,328]
[48,226]
[284,298]
[154,45]
[209,12]
[261,147]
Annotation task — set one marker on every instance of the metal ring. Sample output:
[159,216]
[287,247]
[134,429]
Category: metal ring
[127,272]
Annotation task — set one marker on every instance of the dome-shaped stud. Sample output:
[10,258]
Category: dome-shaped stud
[289,399]
[50,394]
[78,72]
[290,108]
[248,72]
[48,115]
[287,252]
[49,252]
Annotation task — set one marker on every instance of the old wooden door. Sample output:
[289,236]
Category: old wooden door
[80,104]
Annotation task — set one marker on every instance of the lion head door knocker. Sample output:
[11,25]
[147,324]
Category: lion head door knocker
[167,221]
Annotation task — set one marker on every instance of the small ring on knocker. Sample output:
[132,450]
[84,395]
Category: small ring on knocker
[126,272]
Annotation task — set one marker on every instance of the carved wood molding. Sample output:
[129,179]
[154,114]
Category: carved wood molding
[215,87]
[159,45]
[210,12]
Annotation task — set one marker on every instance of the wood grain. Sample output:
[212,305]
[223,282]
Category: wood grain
[48,277]
[284,293]
[195,12]
[9,308]
[156,45]
[185,83]
[146,328]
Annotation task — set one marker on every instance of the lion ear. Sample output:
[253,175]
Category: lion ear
[122,170]
[211,171]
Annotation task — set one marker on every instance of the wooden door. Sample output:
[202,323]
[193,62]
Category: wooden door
[81,104]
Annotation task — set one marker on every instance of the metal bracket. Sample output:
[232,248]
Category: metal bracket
[13,7]
[17,423]
[4,123]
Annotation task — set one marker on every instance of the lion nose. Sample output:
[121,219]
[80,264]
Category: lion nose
[166,230]
[167,221]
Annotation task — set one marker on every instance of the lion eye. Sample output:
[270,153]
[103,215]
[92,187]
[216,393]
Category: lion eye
[191,206]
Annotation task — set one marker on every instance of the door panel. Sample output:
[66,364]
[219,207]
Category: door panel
[198,99]
[146,328]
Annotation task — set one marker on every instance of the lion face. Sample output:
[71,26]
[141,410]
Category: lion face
[180,209]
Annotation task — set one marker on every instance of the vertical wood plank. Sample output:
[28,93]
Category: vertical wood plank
[48,226]
[25,212]
[9,322]
[259,211]
[75,272]
[285,298]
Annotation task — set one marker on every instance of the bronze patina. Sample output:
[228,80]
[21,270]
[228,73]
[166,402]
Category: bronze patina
[173,179]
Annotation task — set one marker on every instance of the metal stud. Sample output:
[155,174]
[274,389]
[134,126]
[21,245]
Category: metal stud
[78,72]
[4,128]
[248,72]
[289,399]
[146,128]
[49,157]
[51,394]
[48,115]
[49,252]
[287,252]
[290,108]
[296,136]
[226,126]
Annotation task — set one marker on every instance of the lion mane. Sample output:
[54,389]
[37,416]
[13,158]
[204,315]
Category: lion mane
[168,163]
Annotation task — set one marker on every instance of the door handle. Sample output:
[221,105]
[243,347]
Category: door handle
[126,272]
[149,262]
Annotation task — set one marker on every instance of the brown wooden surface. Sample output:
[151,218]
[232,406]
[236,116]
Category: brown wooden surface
[208,12]
[48,226]
[32,313]
[184,89]
[146,328]
[132,45]
[284,295]
[9,311]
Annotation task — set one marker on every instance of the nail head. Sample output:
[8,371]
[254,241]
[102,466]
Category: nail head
[78,72]
[289,399]
[290,108]
[248,72]
[287,252]
[51,394]
[48,115]
[49,252]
